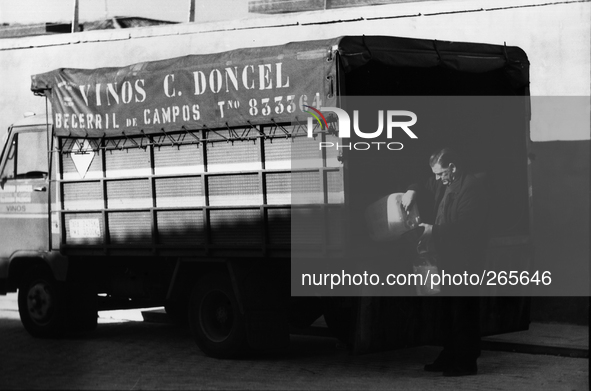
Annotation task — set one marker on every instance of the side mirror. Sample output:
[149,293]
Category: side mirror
[3,181]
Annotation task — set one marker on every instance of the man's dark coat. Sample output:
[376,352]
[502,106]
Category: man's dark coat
[461,235]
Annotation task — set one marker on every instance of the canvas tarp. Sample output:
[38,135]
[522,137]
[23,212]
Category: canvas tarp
[245,86]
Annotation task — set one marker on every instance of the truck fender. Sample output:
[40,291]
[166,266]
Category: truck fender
[20,261]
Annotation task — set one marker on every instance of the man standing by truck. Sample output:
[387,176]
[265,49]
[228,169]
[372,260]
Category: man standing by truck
[459,238]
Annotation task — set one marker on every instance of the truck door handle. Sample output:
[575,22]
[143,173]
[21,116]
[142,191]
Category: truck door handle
[41,188]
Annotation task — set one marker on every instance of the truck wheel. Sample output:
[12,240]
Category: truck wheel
[41,304]
[217,325]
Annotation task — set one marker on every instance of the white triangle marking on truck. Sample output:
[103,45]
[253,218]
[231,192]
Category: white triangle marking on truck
[82,155]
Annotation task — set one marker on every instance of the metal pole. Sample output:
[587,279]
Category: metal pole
[191,10]
[75,25]
[49,134]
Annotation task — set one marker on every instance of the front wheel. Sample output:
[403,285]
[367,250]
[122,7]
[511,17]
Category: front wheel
[41,304]
[217,325]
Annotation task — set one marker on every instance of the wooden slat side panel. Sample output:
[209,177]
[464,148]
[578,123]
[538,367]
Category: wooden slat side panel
[228,190]
[130,227]
[232,156]
[181,226]
[279,226]
[82,195]
[235,227]
[175,160]
[133,162]
[179,192]
[129,194]
[278,188]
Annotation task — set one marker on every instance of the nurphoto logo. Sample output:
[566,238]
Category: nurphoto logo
[395,119]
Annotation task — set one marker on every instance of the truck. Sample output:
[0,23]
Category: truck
[209,184]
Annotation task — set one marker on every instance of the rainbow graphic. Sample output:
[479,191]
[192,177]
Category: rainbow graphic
[316,116]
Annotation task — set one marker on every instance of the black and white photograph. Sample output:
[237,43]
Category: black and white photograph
[295,194]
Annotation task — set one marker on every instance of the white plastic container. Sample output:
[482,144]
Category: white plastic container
[387,220]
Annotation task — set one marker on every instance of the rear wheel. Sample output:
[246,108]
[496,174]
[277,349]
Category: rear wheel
[41,304]
[217,325]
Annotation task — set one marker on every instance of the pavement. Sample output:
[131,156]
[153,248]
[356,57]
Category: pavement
[126,352]
[542,338]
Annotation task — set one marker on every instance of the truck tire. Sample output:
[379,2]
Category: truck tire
[41,304]
[218,327]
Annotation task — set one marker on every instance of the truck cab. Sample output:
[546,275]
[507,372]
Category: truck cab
[27,261]
[24,195]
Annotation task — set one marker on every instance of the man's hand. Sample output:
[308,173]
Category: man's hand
[408,199]
[427,232]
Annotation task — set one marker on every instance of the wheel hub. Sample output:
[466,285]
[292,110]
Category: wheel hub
[39,302]
[221,315]
[216,316]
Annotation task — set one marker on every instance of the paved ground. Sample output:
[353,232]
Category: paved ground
[128,354]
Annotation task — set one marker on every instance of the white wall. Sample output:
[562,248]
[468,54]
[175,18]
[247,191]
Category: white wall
[555,36]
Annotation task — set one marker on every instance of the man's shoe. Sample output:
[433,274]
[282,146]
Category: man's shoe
[463,370]
[436,366]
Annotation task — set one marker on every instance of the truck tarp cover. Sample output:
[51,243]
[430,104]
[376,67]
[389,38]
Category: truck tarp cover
[245,86]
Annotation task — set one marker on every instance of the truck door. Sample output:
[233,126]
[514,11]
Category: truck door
[24,189]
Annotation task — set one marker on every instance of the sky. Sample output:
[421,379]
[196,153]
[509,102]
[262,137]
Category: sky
[42,11]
